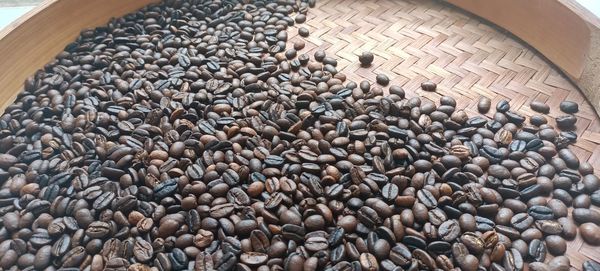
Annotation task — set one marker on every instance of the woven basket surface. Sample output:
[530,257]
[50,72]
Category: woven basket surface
[416,41]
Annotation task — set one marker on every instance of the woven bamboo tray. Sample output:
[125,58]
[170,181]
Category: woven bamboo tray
[413,41]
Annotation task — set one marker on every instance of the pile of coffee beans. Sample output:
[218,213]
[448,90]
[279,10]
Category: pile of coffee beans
[187,135]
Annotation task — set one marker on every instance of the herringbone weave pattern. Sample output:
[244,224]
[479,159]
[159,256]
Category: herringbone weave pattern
[415,41]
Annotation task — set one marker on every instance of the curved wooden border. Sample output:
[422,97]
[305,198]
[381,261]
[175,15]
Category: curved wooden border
[563,31]
[34,39]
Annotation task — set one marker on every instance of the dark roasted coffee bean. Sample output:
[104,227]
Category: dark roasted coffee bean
[537,250]
[303,31]
[368,262]
[502,106]
[165,189]
[143,250]
[556,245]
[469,262]
[582,215]
[559,263]
[390,191]
[549,226]
[590,233]
[474,243]
[401,255]
[449,230]
[566,121]
[521,221]
[427,198]
[539,212]
[382,79]
[569,107]
[366,58]
[591,265]
[139,148]
[540,107]
[484,104]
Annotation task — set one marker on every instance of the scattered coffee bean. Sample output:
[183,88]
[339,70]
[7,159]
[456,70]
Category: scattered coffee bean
[540,107]
[366,58]
[591,265]
[484,104]
[569,107]
[429,86]
[590,233]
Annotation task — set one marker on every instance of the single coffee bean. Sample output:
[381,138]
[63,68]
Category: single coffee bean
[449,230]
[537,250]
[569,107]
[502,106]
[366,58]
[559,263]
[484,104]
[539,212]
[582,215]
[549,226]
[241,152]
[368,262]
[429,86]
[303,31]
[566,121]
[540,107]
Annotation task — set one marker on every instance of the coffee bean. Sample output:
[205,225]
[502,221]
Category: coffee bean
[582,215]
[300,18]
[537,250]
[540,107]
[7,160]
[449,230]
[368,262]
[303,31]
[389,192]
[591,265]
[98,229]
[73,257]
[566,121]
[569,107]
[474,243]
[400,255]
[143,250]
[484,104]
[254,258]
[539,212]
[590,233]
[513,260]
[502,106]
[556,245]
[521,221]
[559,263]
[428,86]
[366,58]
[469,263]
